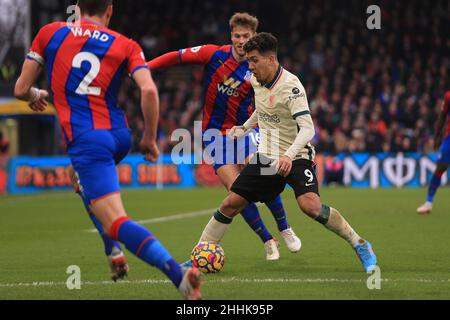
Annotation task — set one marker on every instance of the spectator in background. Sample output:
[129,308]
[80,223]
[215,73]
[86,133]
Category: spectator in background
[334,171]
[4,151]
[8,71]
[371,91]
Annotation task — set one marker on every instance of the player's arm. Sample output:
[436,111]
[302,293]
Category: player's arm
[306,134]
[239,131]
[298,105]
[138,70]
[195,55]
[439,130]
[150,111]
[24,89]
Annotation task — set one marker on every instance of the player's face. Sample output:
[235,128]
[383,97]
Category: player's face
[260,65]
[239,36]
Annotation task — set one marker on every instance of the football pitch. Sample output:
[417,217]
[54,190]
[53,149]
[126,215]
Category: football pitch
[42,235]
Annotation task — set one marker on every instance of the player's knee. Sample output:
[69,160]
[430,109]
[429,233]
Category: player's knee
[310,207]
[232,205]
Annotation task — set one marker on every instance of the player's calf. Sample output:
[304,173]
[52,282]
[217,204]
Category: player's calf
[222,218]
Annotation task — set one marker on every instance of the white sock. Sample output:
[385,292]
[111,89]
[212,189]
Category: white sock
[215,229]
[341,227]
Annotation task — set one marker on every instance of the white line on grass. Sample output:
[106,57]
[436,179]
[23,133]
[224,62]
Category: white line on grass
[186,215]
[180,216]
[225,280]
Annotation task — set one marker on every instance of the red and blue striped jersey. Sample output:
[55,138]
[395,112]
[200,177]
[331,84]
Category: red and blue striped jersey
[84,68]
[447,111]
[228,94]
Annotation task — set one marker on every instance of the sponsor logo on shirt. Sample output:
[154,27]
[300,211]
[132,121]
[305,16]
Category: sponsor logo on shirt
[296,94]
[268,118]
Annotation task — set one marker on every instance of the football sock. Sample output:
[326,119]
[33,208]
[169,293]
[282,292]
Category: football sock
[251,215]
[216,227]
[277,209]
[108,243]
[333,220]
[434,185]
[145,246]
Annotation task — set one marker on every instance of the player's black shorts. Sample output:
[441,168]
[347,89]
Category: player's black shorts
[259,182]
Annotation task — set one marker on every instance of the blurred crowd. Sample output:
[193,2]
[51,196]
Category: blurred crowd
[368,90]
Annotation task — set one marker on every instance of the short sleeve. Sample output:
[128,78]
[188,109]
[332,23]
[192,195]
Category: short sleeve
[199,54]
[136,58]
[37,50]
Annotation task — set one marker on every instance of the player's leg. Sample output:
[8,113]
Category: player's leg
[287,233]
[93,159]
[332,219]
[222,218]
[247,147]
[116,258]
[443,163]
[227,175]
[306,187]
[250,186]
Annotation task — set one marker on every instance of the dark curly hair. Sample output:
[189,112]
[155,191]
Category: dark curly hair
[263,42]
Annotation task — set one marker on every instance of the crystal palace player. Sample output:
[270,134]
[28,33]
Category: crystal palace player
[85,62]
[228,102]
[443,160]
[285,154]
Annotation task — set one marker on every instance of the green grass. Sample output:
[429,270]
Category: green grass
[41,235]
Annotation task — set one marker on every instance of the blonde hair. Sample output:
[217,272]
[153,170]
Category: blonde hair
[245,20]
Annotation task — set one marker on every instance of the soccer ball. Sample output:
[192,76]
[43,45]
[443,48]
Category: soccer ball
[208,257]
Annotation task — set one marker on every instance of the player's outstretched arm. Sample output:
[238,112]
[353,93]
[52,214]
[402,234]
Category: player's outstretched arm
[195,55]
[24,89]
[150,111]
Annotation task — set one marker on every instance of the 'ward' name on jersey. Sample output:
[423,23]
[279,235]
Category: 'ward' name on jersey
[98,35]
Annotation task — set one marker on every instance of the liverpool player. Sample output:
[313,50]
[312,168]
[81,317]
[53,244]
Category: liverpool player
[228,102]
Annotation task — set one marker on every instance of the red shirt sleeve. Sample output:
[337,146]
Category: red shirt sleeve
[164,61]
[200,54]
[40,42]
[194,55]
[136,58]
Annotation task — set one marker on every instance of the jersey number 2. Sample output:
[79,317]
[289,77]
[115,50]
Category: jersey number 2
[84,88]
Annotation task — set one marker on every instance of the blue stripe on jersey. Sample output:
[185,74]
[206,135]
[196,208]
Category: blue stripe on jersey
[52,49]
[115,112]
[211,69]
[221,103]
[80,111]
[242,112]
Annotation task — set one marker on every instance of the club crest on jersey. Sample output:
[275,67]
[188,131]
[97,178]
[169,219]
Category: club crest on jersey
[271,98]
[248,75]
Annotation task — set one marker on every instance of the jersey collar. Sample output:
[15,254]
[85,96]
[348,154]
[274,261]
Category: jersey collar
[277,77]
[91,21]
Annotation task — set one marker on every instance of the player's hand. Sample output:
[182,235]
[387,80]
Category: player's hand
[284,166]
[38,103]
[236,132]
[150,149]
